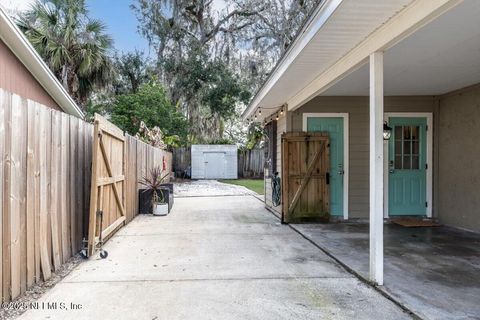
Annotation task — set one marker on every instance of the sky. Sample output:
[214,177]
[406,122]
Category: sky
[117,15]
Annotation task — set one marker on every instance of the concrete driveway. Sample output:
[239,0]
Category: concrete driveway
[213,258]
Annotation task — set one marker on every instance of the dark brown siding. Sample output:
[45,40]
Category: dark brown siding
[15,78]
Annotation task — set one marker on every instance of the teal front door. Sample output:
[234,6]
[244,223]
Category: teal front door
[407,170]
[334,127]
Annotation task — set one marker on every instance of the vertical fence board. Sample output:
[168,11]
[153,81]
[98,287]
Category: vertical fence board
[79,186]
[65,187]
[31,183]
[7,104]
[37,134]
[22,191]
[45,127]
[73,198]
[14,196]
[54,186]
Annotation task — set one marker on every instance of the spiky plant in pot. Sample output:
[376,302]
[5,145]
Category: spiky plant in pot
[152,181]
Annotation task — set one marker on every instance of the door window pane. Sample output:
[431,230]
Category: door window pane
[407,147]
[415,162]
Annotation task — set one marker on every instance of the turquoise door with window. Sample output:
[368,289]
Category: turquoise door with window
[334,127]
[407,176]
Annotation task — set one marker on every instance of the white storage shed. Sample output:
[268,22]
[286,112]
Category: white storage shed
[214,161]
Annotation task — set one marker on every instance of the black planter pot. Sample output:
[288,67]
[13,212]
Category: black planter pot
[145,196]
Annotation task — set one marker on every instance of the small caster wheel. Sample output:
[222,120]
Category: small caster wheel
[103,254]
[83,254]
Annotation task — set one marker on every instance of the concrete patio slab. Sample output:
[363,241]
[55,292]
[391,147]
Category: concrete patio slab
[214,258]
[432,271]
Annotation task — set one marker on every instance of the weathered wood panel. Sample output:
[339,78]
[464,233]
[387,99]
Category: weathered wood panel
[45,170]
[305,177]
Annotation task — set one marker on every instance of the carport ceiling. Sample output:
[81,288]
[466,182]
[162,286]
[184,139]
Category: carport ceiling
[337,34]
[441,57]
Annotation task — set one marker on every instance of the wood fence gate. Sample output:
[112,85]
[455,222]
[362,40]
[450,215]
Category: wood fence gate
[305,166]
[107,198]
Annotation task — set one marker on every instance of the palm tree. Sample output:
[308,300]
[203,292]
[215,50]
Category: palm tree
[74,46]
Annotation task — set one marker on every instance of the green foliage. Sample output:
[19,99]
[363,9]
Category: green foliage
[150,105]
[254,135]
[224,91]
[172,141]
[256,185]
[220,141]
[133,70]
[74,46]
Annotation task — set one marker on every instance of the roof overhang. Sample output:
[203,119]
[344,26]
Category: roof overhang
[13,37]
[337,41]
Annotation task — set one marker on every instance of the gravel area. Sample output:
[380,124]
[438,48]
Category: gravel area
[207,188]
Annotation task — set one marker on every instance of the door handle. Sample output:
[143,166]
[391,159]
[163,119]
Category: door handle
[327,177]
[341,172]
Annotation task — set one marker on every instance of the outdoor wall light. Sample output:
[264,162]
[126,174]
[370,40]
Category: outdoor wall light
[387,131]
[276,118]
[281,112]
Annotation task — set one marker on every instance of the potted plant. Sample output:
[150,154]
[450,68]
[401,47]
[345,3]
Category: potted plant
[153,192]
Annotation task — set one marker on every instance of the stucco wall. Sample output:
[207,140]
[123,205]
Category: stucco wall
[15,78]
[458,203]
[357,108]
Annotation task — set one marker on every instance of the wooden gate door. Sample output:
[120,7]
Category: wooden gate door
[305,163]
[107,197]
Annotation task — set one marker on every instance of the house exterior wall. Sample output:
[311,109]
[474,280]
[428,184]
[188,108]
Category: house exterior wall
[357,108]
[458,163]
[281,128]
[15,78]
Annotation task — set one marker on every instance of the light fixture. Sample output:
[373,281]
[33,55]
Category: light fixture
[281,111]
[387,131]
[259,112]
[255,116]
[276,118]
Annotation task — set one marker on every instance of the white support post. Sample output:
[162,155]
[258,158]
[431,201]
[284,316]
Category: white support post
[376,167]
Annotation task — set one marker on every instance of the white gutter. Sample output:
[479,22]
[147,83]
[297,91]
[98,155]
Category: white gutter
[15,40]
[315,23]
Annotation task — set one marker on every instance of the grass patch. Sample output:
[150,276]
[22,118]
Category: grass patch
[255,185]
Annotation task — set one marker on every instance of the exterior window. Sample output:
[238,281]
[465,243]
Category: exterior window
[407,147]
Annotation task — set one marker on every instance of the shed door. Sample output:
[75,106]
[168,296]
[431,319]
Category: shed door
[214,165]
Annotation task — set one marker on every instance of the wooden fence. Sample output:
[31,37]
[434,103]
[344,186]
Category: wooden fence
[45,173]
[250,162]
[182,159]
